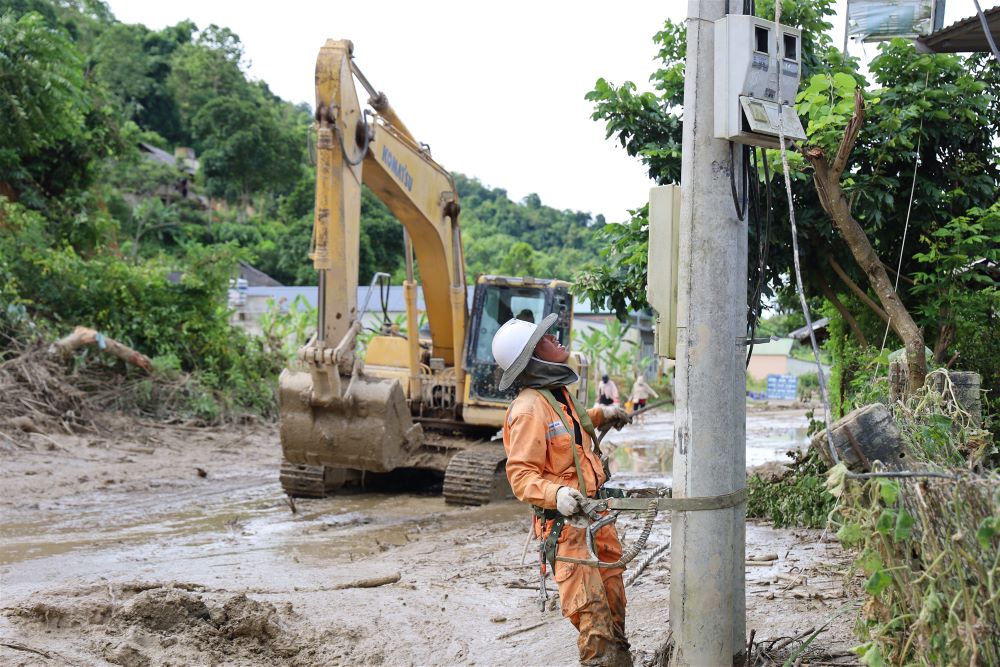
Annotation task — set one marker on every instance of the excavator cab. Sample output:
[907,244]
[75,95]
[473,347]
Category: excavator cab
[496,300]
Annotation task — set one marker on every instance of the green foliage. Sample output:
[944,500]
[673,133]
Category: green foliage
[942,105]
[608,351]
[203,70]
[928,548]
[526,238]
[859,375]
[929,570]
[54,128]
[245,148]
[42,99]
[287,328]
[828,102]
[618,281]
[798,499]
[807,385]
[139,305]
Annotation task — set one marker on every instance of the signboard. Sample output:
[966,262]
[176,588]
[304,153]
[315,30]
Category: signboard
[876,20]
[782,387]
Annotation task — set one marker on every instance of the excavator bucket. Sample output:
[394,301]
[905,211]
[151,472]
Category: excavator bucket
[369,428]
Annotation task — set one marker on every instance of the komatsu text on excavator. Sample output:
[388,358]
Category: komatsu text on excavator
[410,403]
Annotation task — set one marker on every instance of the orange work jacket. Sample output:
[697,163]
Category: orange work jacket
[539,454]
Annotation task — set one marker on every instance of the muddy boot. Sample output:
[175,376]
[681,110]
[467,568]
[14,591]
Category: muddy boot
[613,657]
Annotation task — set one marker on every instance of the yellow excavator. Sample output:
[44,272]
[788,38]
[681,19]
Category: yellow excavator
[410,403]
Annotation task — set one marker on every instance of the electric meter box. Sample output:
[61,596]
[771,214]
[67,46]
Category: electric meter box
[661,274]
[746,80]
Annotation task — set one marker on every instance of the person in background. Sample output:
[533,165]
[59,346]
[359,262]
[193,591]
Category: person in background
[641,392]
[607,391]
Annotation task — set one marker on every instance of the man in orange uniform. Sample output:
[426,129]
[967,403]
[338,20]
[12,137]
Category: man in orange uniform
[551,463]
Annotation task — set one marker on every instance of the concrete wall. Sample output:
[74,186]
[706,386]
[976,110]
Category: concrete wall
[763,365]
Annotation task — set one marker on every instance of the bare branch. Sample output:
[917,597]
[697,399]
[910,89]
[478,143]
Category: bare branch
[854,287]
[850,135]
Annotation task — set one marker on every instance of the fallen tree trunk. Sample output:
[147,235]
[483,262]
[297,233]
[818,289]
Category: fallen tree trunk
[83,336]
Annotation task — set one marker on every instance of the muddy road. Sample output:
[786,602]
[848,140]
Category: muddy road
[145,544]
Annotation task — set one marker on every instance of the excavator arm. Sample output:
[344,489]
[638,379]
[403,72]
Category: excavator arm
[355,146]
[335,418]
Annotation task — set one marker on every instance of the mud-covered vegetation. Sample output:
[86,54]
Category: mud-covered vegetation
[796,498]
[929,547]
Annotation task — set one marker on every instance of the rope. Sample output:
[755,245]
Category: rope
[795,251]
[628,554]
[805,307]
[645,562]
[986,30]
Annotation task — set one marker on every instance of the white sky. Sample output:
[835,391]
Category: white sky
[496,89]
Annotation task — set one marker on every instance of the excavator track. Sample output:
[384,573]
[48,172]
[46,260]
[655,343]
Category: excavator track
[476,476]
[303,481]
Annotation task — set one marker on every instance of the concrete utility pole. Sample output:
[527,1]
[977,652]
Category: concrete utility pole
[707,599]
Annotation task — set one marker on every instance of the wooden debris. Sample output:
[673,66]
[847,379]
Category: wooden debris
[518,631]
[374,582]
[84,336]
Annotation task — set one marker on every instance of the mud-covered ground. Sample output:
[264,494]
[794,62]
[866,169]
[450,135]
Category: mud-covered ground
[145,544]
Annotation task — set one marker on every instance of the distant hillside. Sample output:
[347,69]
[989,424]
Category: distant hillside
[139,95]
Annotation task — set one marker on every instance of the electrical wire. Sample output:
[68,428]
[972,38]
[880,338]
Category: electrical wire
[741,209]
[909,208]
[834,454]
[763,249]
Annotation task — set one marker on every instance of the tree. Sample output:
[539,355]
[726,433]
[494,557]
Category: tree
[42,96]
[914,93]
[245,149]
[204,70]
[520,261]
[55,127]
[121,65]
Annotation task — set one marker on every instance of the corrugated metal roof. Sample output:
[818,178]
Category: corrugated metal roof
[803,332]
[965,36]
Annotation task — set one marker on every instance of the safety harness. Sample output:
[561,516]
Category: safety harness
[604,508]
[547,548]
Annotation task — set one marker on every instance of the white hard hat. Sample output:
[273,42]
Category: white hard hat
[513,344]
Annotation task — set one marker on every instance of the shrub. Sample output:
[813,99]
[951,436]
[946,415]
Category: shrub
[929,546]
[162,307]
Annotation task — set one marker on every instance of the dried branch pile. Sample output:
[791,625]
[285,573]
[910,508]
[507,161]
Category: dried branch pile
[34,385]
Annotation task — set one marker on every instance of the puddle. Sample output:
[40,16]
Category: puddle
[644,453]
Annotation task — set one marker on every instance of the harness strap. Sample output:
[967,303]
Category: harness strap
[562,416]
[549,544]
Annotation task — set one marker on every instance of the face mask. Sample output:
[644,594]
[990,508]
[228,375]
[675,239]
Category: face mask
[538,374]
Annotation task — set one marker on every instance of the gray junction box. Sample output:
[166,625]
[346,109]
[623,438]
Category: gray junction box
[746,80]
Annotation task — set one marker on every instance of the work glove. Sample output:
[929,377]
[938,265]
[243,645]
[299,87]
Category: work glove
[615,417]
[568,501]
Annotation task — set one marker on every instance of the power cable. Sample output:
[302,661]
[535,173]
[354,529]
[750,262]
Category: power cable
[909,208]
[834,454]
[741,209]
[763,249]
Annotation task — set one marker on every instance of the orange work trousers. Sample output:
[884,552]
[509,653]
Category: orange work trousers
[592,598]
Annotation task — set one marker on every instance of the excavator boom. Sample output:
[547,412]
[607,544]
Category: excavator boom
[341,417]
